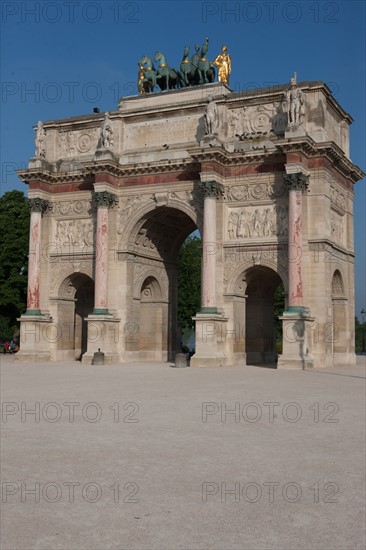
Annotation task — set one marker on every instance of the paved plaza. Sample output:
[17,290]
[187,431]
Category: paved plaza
[145,456]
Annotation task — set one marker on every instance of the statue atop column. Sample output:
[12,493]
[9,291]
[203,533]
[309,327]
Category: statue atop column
[40,139]
[295,104]
[106,133]
[223,63]
[212,119]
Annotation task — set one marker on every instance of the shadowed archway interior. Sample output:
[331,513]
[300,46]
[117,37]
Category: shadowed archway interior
[260,336]
[155,242]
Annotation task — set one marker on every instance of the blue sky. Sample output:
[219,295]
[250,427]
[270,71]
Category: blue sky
[62,58]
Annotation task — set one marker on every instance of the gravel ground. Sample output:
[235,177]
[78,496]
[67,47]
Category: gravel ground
[145,456]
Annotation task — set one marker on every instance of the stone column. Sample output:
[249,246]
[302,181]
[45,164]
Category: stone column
[103,327]
[211,190]
[210,324]
[34,341]
[296,320]
[38,207]
[104,201]
[297,183]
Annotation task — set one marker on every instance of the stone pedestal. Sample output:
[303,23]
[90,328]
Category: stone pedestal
[210,341]
[103,334]
[210,140]
[296,342]
[36,335]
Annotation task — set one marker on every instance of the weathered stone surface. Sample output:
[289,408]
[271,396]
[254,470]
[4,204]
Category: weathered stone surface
[104,274]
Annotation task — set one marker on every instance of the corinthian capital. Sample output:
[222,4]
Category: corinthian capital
[39,205]
[104,199]
[296,182]
[212,189]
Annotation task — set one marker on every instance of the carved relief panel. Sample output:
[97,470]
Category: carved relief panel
[337,227]
[257,221]
[77,143]
[76,233]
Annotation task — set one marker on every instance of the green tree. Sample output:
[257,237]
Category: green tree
[189,280]
[14,237]
[360,333]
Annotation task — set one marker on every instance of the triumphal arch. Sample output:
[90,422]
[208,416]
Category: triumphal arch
[264,175]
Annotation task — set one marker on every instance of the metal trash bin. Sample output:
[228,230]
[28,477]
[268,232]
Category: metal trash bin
[180,360]
[98,358]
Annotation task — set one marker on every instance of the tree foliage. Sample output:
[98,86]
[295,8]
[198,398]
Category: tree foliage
[14,237]
[360,335]
[189,280]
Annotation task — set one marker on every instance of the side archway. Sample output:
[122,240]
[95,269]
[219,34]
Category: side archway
[74,302]
[338,335]
[254,313]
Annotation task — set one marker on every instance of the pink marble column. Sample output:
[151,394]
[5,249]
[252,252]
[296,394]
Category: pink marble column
[37,206]
[211,190]
[297,183]
[104,201]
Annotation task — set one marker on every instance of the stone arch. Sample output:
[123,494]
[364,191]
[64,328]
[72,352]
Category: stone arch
[153,243]
[237,282]
[138,217]
[153,330]
[337,284]
[74,302]
[337,333]
[252,288]
[61,278]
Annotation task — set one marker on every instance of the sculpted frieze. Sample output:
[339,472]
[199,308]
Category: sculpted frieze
[261,221]
[65,208]
[77,233]
[78,142]
[256,191]
[336,223]
[337,197]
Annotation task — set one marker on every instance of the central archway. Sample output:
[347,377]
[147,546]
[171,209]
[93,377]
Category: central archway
[154,244]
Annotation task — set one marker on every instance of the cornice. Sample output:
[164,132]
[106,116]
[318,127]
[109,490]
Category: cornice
[329,150]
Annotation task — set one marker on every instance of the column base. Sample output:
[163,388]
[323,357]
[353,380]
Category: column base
[211,310]
[103,335]
[100,311]
[32,313]
[35,337]
[296,343]
[296,310]
[210,340]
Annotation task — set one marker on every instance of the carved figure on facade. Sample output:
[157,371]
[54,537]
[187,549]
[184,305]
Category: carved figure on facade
[212,117]
[128,206]
[258,222]
[106,133]
[76,233]
[295,104]
[336,223]
[337,198]
[251,122]
[40,140]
